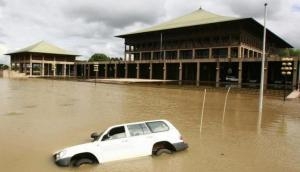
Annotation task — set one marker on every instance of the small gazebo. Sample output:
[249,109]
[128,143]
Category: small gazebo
[43,60]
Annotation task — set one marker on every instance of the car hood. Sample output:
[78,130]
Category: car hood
[86,147]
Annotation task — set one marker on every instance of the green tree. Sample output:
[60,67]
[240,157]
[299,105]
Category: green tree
[289,52]
[3,67]
[99,57]
[294,52]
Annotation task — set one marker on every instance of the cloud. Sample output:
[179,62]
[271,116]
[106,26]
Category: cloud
[3,58]
[2,3]
[114,13]
[89,26]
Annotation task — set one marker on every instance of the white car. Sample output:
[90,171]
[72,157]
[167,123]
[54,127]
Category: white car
[232,78]
[124,141]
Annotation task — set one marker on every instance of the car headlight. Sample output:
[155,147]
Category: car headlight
[61,154]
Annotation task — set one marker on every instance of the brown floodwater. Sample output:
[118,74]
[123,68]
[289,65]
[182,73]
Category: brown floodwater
[38,117]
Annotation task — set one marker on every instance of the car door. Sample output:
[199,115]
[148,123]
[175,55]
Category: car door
[114,144]
[140,139]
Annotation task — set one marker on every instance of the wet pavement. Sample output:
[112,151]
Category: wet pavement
[38,117]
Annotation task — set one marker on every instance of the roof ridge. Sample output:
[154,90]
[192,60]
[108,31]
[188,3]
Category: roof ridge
[197,17]
[44,47]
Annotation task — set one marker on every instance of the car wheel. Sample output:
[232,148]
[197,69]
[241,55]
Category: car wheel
[81,161]
[162,151]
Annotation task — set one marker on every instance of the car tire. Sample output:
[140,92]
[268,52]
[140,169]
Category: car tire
[163,151]
[82,161]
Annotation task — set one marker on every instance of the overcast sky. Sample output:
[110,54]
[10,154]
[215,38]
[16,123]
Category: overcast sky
[89,26]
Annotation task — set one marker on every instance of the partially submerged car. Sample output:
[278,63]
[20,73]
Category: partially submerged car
[124,141]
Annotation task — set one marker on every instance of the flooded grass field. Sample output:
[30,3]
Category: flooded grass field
[38,117]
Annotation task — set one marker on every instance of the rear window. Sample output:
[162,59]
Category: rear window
[157,126]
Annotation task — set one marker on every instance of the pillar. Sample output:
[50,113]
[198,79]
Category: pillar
[106,70]
[198,74]
[152,55]
[165,71]
[239,52]
[126,70]
[54,67]
[240,72]
[75,70]
[140,58]
[217,74]
[137,70]
[116,70]
[150,70]
[180,73]
[295,74]
[43,67]
[65,70]
[88,71]
[229,52]
[193,53]
[210,53]
[30,67]
[84,70]
[266,75]
[178,54]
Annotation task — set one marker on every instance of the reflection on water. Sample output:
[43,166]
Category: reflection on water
[58,114]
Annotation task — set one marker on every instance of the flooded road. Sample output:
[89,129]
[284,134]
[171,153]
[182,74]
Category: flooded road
[38,117]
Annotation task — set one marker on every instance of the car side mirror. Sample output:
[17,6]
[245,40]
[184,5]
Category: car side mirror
[95,135]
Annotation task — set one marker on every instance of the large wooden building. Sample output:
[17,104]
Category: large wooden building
[43,60]
[200,47]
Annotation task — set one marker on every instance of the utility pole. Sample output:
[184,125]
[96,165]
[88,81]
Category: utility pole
[261,94]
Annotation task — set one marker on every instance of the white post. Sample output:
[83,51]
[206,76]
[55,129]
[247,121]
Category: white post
[204,95]
[263,65]
[225,104]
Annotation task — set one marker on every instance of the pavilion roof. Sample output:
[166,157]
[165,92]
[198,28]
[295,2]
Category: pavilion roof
[198,17]
[43,47]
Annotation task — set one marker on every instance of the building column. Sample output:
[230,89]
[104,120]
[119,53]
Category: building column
[30,67]
[198,74]
[152,55]
[180,73]
[193,53]
[43,67]
[126,70]
[178,54]
[140,58]
[106,70]
[239,52]
[138,70]
[229,52]
[65,70]
[150,70]
[210,53]
[240,72]
[84,70]
[295,74]
[69,70]
[75,70]
[116,70]
[217,74]
[266,75]
[54,67]
[88,71]
[165,71]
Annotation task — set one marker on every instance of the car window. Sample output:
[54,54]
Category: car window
[115,133]
[138,129]
[157,126]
